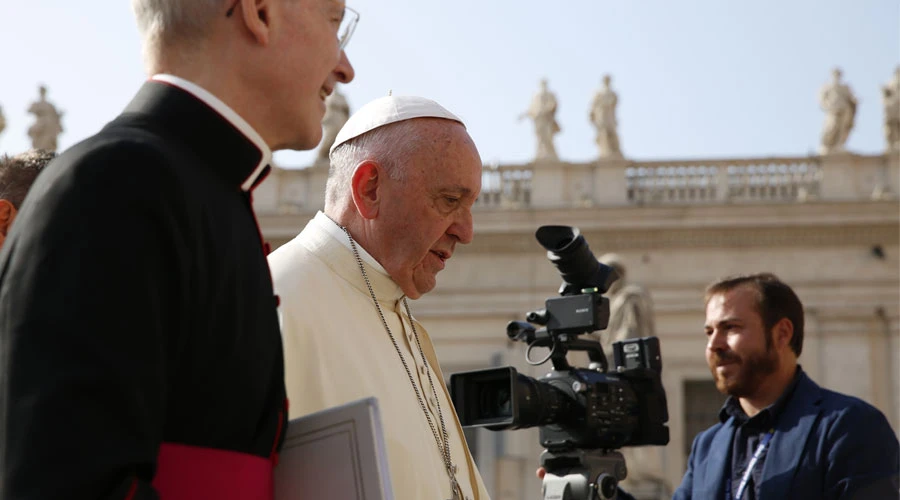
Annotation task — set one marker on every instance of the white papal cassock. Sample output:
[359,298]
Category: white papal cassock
[336,350]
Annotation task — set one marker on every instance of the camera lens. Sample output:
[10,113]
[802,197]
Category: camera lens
[494,400]
[539,403]
[502,398]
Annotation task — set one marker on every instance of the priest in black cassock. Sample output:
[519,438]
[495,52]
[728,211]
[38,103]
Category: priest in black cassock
[140,355]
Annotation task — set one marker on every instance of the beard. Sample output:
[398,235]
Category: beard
[752,370]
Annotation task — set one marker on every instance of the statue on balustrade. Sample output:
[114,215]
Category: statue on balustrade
[47,125]
[839,104]
[603,116]
[890,95]
[543,113]
[630,308]
[337,112]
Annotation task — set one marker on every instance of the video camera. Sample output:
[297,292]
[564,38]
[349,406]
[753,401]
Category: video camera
[584,414]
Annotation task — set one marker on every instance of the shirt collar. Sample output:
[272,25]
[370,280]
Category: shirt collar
[232,117]
[331,227]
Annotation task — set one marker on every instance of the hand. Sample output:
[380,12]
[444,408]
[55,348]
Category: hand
[540,473]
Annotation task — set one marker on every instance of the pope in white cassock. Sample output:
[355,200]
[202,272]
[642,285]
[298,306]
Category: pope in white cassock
[404,176]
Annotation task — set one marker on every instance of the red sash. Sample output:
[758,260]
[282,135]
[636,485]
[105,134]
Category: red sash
[186,472]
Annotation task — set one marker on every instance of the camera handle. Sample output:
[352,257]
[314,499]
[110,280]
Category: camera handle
[559,343]
[582,474]
[562,344]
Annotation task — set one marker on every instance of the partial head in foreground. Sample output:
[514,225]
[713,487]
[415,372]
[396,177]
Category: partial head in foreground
[17,174]
[273,61]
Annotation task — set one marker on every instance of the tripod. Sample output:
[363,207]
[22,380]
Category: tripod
[582,474]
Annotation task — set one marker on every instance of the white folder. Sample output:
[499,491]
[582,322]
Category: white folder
[335,454]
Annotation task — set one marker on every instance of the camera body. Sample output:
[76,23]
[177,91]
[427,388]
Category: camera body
[575,408]
[577,314]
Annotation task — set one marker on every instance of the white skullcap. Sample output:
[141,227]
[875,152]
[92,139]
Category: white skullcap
[387,110]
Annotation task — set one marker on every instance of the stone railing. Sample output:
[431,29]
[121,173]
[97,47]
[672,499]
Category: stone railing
[505,187]
[769,179]
[842,177]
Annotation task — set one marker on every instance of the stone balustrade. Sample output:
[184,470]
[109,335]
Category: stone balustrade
[543,185]
[750,180]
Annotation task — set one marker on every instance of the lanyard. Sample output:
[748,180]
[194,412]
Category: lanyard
[744,480]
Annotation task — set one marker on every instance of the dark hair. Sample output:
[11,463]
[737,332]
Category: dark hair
[775,300]
[17,173]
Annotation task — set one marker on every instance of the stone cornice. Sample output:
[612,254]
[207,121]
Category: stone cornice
[615,239]
[633,228]
[631,218]
[691,216]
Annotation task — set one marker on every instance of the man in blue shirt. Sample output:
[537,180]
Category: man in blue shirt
[780,435]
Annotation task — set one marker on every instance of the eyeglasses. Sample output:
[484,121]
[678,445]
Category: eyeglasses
[348,26]
[345,31]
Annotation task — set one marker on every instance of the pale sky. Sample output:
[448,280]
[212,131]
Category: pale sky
[712,78]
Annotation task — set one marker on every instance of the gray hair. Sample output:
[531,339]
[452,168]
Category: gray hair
[17,173]
[389,145]
[162,22]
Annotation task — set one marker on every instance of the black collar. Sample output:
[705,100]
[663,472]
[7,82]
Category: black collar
[174,112]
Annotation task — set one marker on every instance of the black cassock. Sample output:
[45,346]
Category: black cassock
[138,323]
